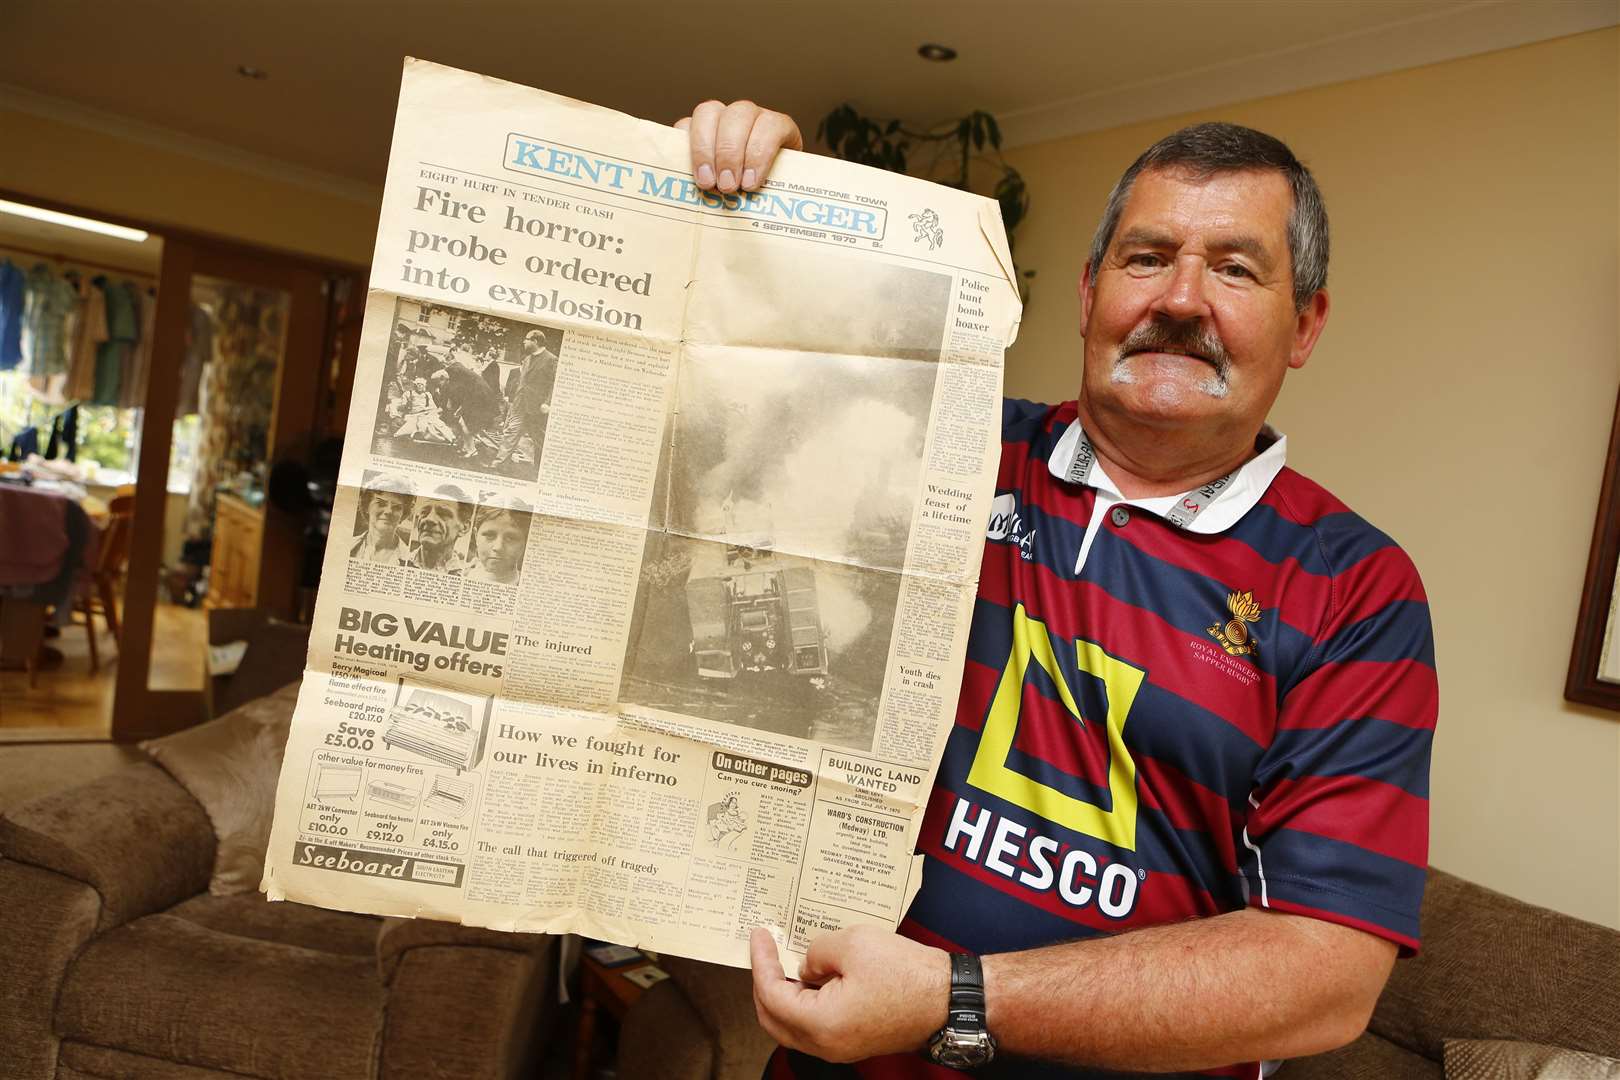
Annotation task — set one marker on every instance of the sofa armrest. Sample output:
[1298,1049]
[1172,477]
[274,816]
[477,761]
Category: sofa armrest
[47,919]
[399,936]
[724,998]
[463,1001]
[134,836]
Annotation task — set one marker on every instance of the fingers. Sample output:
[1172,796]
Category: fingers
[734,146]
[774,995]
[702,126]
[772,131]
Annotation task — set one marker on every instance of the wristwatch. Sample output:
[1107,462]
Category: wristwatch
[964,1042]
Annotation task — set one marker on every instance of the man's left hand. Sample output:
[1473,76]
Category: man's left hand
[863,992]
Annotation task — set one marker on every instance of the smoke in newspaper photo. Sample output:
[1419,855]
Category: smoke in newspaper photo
[440,529]
[855,305]
[821,456]
[466,390]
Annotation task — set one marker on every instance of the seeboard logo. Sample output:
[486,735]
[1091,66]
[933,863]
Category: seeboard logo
[1006,524]
[376,864]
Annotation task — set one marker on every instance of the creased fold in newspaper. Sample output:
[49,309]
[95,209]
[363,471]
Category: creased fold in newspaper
[651,568]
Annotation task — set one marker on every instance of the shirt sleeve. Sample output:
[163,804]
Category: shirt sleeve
[1338,822]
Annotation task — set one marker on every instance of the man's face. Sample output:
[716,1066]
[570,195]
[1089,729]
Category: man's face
[500,545]
[1190,321]
[437,523]
[384,511]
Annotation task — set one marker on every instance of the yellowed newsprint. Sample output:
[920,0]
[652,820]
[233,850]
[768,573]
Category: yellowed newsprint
[645,604]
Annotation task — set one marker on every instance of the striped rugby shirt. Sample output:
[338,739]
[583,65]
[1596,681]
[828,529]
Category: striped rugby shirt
[1159,722]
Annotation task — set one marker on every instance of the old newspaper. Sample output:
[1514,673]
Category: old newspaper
[650,571]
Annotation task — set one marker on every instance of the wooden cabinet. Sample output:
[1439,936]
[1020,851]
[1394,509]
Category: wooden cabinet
[233,576]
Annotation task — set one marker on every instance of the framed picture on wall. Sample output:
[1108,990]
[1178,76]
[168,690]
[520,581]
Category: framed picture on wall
[1594,660]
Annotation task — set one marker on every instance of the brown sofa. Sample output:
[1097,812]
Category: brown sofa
[116,962]
[1491,968]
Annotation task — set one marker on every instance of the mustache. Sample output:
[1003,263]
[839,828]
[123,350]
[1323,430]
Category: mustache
[1190,337]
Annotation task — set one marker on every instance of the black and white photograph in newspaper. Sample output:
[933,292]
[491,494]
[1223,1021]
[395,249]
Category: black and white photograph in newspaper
[440,529]
[858,304]
[817,455]
[466,390]
[499,538]
[764,640]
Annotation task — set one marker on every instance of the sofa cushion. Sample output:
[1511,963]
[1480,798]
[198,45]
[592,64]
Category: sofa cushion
[134,836]
[230,766]
[250,915]
[1368,1058]
[1497,968]
[661,1036]
[1496,1059]
[80,1061]
[724,998]
[171,988]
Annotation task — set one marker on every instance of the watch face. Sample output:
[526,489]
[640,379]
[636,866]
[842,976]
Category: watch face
[958,1050]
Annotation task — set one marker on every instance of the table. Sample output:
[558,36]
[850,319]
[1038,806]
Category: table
[601,988]
[34,547]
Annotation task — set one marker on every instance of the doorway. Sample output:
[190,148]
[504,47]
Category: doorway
[248,365]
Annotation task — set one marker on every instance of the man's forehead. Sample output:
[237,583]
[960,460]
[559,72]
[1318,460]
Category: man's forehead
[1236,207]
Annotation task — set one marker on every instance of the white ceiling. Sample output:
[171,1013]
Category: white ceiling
[165,70]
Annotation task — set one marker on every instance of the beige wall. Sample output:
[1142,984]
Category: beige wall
[96,171]
[1460,398]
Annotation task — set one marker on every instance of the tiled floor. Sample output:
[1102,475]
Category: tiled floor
[70,702]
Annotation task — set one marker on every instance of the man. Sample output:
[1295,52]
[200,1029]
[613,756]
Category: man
[1183,814]
[383,508]
[439,522]
[466,404]
[529,398]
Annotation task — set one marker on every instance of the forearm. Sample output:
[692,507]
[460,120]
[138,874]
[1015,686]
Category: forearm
[1198,994]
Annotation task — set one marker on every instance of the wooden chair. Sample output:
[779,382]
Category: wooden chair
[98,595]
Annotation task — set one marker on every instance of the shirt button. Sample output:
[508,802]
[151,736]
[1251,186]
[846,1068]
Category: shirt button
[1120,516]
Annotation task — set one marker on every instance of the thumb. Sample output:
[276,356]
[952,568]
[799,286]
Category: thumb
[762,951]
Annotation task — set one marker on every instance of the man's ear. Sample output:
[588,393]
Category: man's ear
[1087,294]
[1308,326]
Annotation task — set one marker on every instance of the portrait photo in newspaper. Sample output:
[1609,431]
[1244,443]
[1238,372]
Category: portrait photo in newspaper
[769,601]
[466,390]
[441,529]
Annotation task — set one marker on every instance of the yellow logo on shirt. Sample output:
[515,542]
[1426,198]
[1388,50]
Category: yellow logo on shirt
[1234,636]
[990,773]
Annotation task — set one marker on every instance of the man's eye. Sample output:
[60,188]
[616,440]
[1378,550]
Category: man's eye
[1144,259]
[1234,270]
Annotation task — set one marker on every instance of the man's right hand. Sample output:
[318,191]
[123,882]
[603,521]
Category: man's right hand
[733,146]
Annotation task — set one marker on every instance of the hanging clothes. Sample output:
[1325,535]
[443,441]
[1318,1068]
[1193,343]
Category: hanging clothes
[199,351]
[132,394]
[51,303]
[24,443]
[64,435]
[81,380]
[12,297]
[123,331]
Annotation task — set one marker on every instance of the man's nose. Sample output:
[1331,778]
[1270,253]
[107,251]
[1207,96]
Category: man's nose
[1183,296]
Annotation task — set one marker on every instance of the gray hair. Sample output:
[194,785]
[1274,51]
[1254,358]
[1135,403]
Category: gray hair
[1206,149]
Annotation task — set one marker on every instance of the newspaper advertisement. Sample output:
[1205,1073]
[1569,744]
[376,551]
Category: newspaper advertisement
[657,535]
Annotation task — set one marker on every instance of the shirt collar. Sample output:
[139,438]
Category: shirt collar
[1248,485]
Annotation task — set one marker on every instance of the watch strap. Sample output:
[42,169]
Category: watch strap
[967,991]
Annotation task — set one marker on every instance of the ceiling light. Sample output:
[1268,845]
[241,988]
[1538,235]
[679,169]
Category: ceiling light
[72,221]
[248,71]
[937,53]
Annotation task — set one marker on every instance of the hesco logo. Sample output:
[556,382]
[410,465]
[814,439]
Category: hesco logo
[1031,642]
